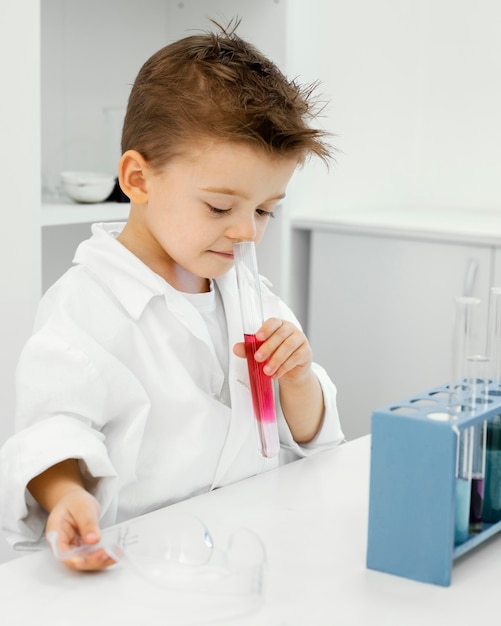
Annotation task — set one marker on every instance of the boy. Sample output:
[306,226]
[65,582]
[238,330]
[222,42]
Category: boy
[133,392]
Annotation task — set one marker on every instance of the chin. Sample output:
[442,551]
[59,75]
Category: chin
[218,274]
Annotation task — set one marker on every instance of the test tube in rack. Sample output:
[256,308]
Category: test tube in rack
[494,340]
[463,485]
[249,288]
[463,339]
[492,487]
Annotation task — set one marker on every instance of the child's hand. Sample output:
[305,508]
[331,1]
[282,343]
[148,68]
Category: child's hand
[285,350]
[75,519]
[288,358]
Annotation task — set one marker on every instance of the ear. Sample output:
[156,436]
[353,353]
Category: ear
[132,174]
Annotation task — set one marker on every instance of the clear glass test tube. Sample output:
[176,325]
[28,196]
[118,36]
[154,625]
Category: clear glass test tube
[477,477]
[463,485]
[492,489]
[476,382]
[252,318]
[494,340]
[476,397]
[464,330]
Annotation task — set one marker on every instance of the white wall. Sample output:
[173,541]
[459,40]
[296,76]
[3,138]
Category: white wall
[92,52]
[19,177]
[20,184]
[415,90]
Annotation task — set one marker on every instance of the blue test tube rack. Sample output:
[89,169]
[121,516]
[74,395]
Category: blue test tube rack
[414,448]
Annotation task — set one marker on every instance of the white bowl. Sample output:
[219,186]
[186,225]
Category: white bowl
[89,187]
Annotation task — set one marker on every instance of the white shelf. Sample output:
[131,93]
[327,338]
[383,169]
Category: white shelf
[61,213]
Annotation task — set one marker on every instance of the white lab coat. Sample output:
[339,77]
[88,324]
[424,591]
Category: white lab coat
[121,374]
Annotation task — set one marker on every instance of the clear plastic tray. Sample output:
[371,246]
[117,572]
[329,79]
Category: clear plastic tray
[211,583]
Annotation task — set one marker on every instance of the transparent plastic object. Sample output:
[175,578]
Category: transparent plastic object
[210,583]
[249,289]
[494,340]
[465,327]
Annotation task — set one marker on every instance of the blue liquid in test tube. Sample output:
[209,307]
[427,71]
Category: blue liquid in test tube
[462,520]
[463,486]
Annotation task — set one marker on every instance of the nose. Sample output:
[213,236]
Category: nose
[242,229]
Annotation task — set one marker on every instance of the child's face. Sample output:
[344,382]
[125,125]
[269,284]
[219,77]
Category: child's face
[204,201]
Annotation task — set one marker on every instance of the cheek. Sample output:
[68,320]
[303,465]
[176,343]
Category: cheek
[260,230]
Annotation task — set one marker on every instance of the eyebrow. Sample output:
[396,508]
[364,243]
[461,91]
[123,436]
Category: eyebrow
[233,192]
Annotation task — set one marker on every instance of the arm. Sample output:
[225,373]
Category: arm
[53,484]
[303,407]
[288,358]
[73,511]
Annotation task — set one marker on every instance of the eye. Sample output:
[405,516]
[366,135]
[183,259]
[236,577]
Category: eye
[263,213]
[217,211]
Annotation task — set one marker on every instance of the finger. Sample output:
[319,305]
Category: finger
[84,517]
[285,337]
[239,349]
[287,350]
[92,562]
[289,356]
[75,519]
[64,532]
[269,327]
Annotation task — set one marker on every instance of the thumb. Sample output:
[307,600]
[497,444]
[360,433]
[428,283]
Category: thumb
[239,349]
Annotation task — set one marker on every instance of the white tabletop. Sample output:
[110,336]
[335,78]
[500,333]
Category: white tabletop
[312,518]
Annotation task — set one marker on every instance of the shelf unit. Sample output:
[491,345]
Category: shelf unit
[412,500]
[66,212]
[63,225]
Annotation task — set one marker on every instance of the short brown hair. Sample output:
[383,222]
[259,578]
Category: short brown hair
[218,85]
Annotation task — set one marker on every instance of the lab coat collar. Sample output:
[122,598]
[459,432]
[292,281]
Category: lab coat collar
[132,282]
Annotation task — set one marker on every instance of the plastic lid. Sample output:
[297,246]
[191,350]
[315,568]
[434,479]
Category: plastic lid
[211,583]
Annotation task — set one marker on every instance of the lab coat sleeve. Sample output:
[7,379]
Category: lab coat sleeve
[71,404]
[33,450]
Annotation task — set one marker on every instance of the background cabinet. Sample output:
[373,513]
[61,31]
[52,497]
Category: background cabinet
[379,313]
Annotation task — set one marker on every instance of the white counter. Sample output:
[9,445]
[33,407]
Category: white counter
[468,226]
[312,518]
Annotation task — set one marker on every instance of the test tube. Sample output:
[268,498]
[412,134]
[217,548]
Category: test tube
[463,339]
[249,288]
[494,340]
[477,384]
[477,477]
[463,485]
[492,488]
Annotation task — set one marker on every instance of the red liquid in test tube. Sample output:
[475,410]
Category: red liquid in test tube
[261,386]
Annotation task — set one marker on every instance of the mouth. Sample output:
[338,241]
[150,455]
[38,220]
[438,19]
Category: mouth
[224,255]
